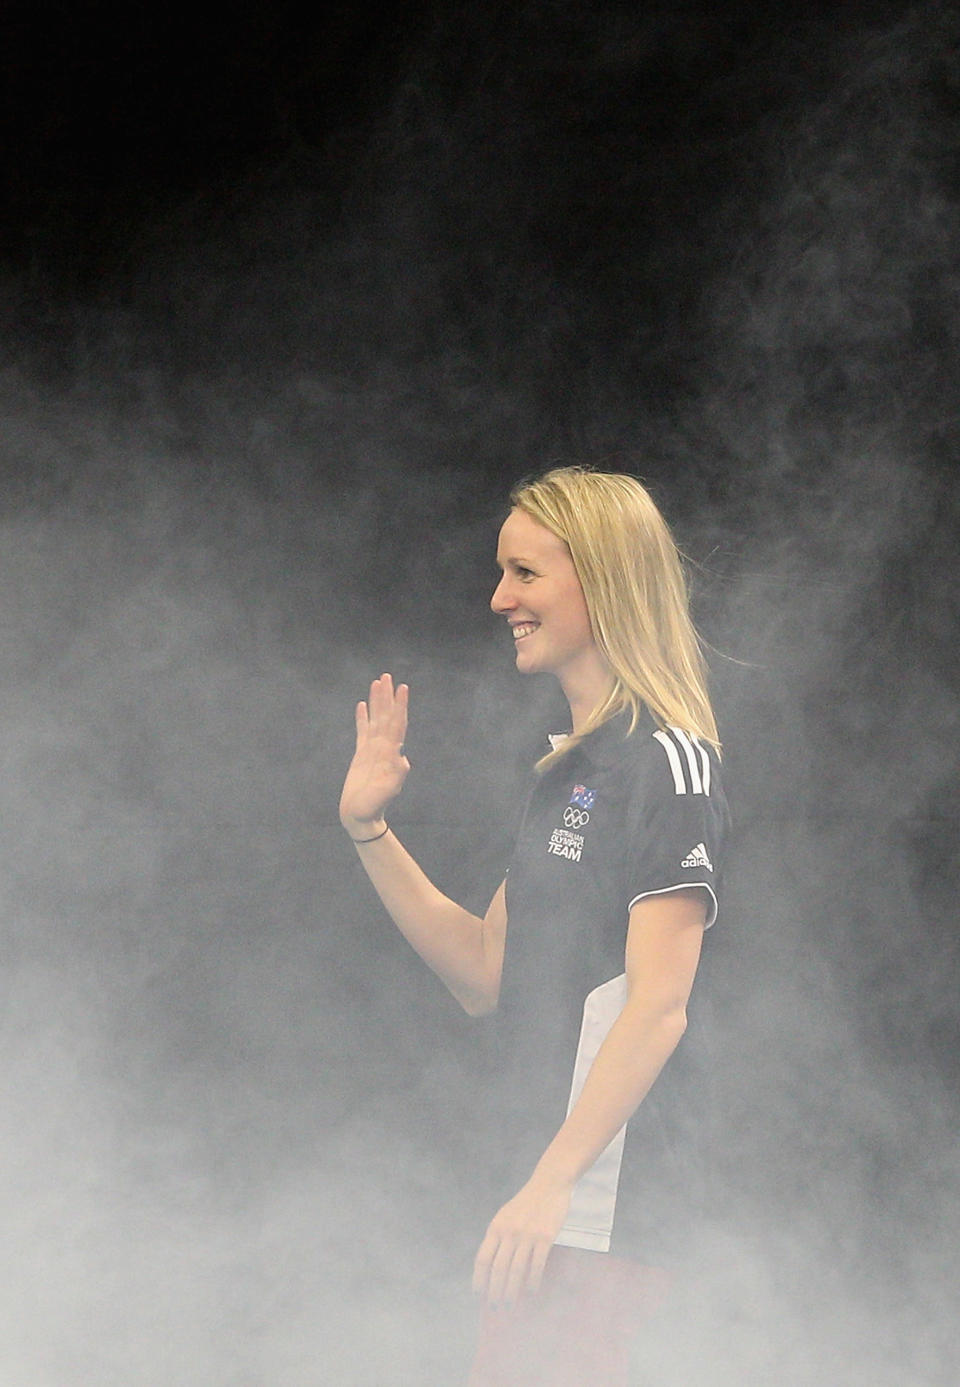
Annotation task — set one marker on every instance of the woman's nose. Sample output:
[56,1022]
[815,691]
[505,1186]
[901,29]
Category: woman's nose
[501,601]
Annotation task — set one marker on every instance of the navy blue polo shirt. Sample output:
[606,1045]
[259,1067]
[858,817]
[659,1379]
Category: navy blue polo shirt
[614,820]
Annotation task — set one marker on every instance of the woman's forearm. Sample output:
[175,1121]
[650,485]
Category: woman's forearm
[664,939]
[628,1062]
[460,947]
[519,1236]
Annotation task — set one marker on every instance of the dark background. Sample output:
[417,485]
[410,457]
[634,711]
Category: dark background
[288,303]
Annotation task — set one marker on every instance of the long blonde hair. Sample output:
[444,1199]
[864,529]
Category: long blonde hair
[636,595]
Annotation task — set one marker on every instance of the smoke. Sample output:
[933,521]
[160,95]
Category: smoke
[241,1141]
[211,1172]
[833,402]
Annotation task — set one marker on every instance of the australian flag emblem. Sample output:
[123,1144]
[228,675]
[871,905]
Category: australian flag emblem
[583,797]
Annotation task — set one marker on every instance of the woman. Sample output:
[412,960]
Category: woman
[590,946]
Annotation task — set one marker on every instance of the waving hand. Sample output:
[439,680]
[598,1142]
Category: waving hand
[379,767]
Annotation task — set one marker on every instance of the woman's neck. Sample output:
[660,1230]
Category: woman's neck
[585,687]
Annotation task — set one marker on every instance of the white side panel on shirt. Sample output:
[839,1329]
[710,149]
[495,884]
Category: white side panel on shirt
[590,1218]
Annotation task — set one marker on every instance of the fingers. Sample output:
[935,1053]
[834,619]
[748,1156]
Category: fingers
[505,1270]
[538,1261]
[512,1278]
[403,700]
[388,708]
[482,1264]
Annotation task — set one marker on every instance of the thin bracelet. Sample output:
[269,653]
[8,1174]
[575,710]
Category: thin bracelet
[370,840]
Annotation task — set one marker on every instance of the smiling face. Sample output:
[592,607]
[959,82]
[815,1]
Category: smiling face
[541,598]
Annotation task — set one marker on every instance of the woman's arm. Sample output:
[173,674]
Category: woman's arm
[465,951]
[663,949]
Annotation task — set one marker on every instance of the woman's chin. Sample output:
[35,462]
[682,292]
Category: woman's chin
[526,663]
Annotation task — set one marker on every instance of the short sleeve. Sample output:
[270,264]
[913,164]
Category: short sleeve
[678,820]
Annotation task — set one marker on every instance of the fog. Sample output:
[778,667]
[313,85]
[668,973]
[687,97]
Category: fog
[262,460]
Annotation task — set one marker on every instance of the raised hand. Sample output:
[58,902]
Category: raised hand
[379,767]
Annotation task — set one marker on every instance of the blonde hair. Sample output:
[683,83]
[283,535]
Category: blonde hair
[636,595]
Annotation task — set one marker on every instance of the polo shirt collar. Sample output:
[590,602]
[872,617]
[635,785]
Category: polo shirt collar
[604,747]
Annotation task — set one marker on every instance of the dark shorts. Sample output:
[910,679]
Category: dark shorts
[576,1330]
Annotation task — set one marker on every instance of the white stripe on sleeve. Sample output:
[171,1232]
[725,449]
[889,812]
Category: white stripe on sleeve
[691,756]
[673,757]
[705,762]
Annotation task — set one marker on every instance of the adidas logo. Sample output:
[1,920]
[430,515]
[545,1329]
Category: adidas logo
[697,857]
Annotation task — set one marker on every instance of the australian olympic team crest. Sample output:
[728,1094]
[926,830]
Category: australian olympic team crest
[568,841]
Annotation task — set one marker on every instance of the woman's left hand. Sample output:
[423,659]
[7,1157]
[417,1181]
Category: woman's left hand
[518,1240]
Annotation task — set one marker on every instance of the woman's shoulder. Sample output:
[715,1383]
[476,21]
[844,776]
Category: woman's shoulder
[688,762]
[658,758]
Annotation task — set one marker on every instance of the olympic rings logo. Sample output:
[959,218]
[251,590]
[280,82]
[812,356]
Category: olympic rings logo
[574,817]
